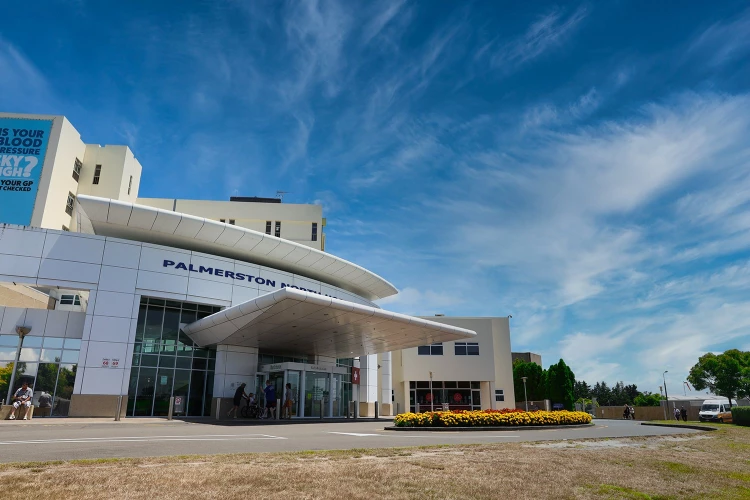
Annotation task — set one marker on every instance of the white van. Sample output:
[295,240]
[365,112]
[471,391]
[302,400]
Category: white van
[715,410]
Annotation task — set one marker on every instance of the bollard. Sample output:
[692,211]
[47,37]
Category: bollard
[119,408]
[171,408]
[218,408]
[376,410]
[278,408]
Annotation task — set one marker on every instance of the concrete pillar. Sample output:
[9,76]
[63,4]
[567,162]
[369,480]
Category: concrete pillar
[368,385]
[386,384]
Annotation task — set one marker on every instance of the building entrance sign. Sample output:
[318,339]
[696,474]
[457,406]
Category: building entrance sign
[23,147]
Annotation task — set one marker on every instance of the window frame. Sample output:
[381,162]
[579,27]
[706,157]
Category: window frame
[77,167]
[277,229]
[467,348]
[435,349]
[97,174]
[269,226]
[314,231]
[499,395]
[130,184]
[70,203]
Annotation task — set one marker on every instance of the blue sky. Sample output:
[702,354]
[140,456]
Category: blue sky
[580,166]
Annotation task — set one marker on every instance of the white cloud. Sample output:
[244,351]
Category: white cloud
[418,302]
[546,33]
[23,88]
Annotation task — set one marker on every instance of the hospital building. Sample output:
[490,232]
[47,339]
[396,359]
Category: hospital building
[112,300]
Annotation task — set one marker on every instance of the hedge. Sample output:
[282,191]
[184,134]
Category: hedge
[491,418]
[741,415]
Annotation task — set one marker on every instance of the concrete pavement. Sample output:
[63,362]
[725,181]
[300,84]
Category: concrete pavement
[68,439]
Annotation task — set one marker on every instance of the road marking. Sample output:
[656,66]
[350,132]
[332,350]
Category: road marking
[138,439]
[357,434]
[465,436]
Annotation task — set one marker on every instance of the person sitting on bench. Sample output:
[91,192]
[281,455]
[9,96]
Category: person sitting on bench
[22,397]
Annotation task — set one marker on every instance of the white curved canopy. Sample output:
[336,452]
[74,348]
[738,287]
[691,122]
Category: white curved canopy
[121,219]
[294,322]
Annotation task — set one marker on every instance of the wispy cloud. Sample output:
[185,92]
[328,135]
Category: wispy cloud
[543,35]
[23,88]
[723,41]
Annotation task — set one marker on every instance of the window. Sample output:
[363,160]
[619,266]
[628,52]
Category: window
[70,203]
[467,349]
[223,220]
[97,173]
[70,300]
[77,166]
[65,228]
[430,350]
[130,184]
[231,221]
[499,395]
[277,232]
[314,231]
[268,227]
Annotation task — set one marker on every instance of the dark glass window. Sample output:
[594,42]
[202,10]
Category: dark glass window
[97,174]
[268,227]
[431,350]
[467,349]
[277,231]
[314,231]
[77,166]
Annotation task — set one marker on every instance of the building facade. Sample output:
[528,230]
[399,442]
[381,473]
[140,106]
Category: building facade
[128,302]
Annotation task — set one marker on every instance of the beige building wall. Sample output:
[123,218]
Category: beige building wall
[492,367]
[120,174]
[296,219]
[22,296]
[56,180]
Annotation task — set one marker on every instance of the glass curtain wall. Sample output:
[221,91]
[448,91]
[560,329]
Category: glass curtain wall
[47,364]
[167,363]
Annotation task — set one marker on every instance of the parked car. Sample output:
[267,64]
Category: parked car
[715,410]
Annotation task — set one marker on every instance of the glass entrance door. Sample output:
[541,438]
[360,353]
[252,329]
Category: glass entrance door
[277,380]
[293,377]
[316,393]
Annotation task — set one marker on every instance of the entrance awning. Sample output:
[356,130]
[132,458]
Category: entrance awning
[294,322]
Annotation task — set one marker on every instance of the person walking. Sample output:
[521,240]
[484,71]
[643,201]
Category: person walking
[676,413]
[683,414]
[237,400]
[288,402]
[270,393]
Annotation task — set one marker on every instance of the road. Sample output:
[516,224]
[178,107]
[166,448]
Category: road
[60,440]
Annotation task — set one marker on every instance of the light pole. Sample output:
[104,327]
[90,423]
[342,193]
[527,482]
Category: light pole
[666,395]
[524,393]
[432,397]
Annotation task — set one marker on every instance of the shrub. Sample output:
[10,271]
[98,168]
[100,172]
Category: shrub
[741,415]
[491,418]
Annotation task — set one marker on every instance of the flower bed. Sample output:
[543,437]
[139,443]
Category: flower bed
[491,418]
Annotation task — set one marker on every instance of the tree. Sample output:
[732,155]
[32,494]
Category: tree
[647,399]
[560,383]
[535,387]
[722,374]
[602,393]
[581,390]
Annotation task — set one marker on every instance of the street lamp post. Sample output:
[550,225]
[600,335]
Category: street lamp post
[666,395]
[432,397]
[524,393]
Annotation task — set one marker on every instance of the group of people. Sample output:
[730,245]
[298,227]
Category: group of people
[680,413]
[270,395]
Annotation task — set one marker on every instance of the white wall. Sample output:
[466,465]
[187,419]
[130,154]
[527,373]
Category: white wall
[117,273]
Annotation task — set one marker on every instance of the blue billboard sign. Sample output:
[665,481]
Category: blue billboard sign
[23,146]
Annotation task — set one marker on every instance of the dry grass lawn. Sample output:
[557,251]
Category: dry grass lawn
[715,465]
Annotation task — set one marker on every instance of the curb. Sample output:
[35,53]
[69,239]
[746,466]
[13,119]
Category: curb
[494,428]
[682,426]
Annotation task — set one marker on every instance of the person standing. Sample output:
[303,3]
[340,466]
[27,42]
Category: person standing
[237,400]
[676,413]
[683,414]
[22,397]
[288,402]
[270,393]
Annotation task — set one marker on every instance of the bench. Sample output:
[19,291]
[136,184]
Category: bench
[5,412]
